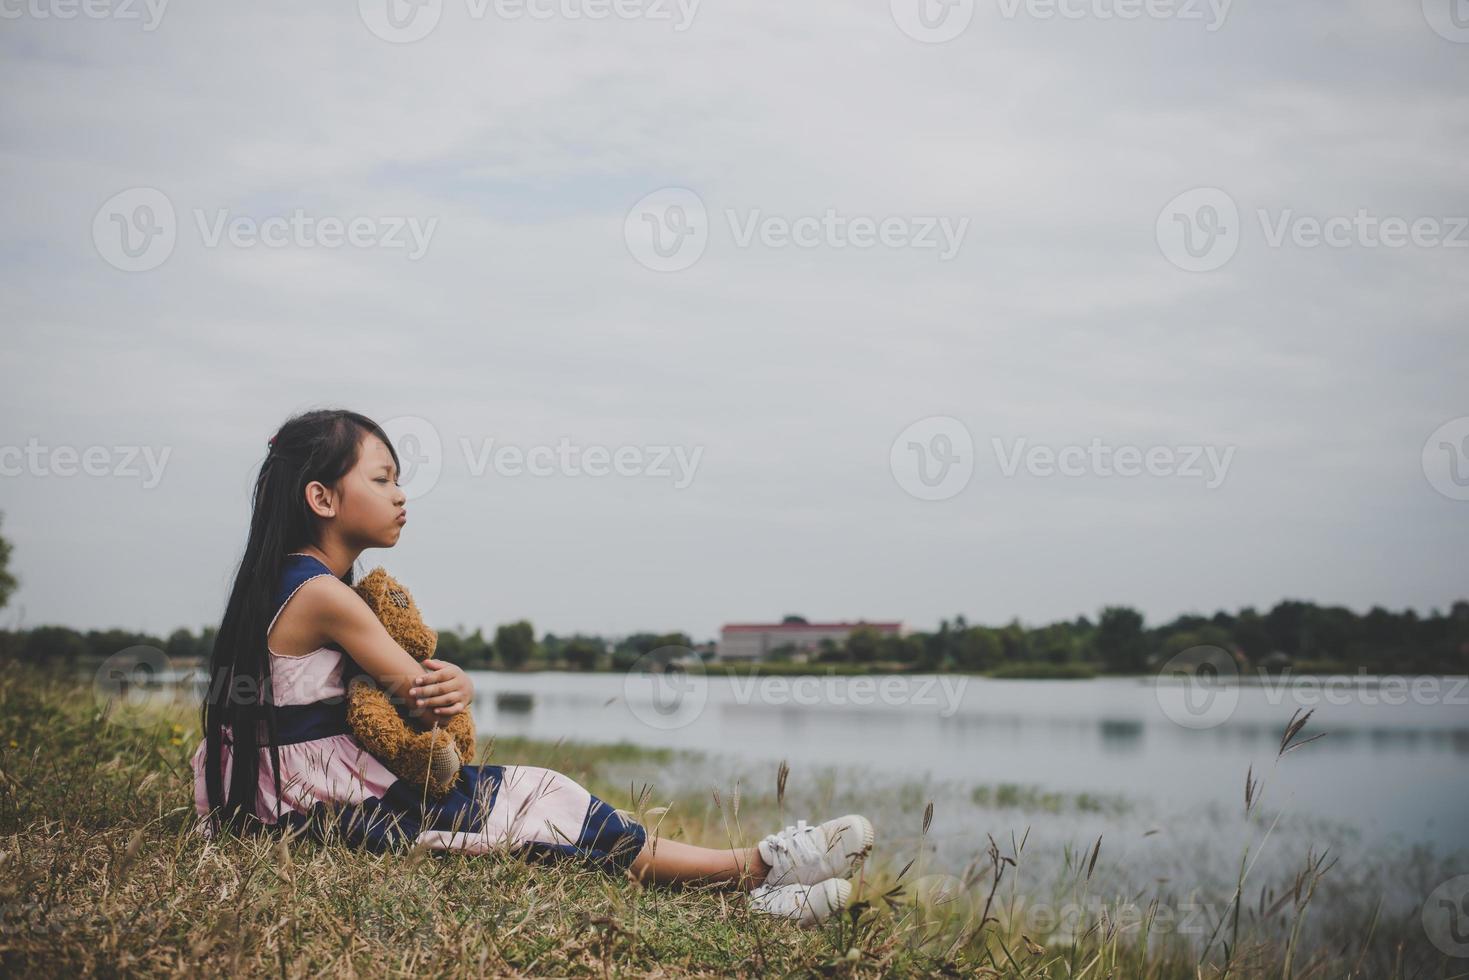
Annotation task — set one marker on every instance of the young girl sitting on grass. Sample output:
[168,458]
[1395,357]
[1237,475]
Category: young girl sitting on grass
[294,631]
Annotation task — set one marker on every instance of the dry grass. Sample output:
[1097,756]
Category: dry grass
[99,874]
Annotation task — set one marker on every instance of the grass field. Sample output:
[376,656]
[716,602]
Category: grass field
[99,874]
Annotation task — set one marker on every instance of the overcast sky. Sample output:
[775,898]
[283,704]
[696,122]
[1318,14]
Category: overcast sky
[1075,302]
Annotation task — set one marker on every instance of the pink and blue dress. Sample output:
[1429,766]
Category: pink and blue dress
[333,788]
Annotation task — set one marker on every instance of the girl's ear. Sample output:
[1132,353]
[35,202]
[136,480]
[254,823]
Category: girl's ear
[320,499]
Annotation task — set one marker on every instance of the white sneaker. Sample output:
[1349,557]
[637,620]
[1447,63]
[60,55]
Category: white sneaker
[806,855]
[806,905]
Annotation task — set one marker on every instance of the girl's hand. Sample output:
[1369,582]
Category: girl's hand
[444,691]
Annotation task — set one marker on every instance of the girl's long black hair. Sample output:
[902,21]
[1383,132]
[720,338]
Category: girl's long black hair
[320,445]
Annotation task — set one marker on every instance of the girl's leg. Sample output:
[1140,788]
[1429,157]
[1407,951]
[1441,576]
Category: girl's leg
[665,861]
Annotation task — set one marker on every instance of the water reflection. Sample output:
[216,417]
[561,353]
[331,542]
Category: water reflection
[1121,736]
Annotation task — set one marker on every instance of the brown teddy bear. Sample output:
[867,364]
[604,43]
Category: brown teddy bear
[429,759]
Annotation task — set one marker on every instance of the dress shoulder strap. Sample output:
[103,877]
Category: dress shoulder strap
[296,572]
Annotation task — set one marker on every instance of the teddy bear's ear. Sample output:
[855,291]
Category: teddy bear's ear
[386,594]
[373,587]
[393,605]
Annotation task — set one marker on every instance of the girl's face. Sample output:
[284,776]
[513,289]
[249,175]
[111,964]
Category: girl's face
[371,511]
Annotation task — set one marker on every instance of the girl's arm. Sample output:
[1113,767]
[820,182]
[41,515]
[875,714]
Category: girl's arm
[349,622]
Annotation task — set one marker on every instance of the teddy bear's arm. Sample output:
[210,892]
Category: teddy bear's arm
[461,728]
[417,757]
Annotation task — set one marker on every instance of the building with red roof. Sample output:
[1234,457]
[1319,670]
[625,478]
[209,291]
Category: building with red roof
[756,641]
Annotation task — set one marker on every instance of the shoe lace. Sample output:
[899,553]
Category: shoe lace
[797,840]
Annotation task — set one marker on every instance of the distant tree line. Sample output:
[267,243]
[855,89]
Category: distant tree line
[515,647]
[1294,634]
[1299,635]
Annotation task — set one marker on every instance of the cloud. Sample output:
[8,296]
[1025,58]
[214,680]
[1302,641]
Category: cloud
[529,320]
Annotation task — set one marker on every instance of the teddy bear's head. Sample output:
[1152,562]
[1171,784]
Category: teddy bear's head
[394,606]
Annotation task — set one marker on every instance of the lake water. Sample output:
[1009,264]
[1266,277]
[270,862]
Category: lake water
[1391,769]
